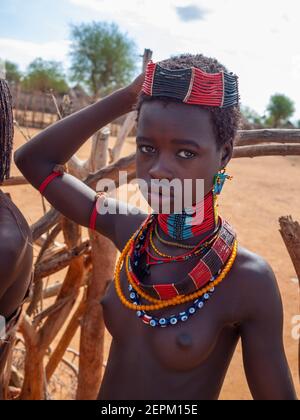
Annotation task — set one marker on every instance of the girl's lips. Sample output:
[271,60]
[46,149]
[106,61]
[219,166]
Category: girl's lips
[160,192]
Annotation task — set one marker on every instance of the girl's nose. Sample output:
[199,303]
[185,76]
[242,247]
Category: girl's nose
[161,169]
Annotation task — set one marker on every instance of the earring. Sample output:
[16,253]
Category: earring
[219,180]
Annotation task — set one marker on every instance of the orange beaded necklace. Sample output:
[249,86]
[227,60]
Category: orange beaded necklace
[158,303]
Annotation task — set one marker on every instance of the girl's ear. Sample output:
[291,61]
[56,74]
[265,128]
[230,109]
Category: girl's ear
[226,153]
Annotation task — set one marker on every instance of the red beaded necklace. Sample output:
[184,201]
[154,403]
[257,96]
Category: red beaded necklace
[196,250]
[206,269]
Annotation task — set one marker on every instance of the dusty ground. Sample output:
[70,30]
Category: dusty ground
[263,189]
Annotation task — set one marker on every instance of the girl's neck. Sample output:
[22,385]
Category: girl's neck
[185,227]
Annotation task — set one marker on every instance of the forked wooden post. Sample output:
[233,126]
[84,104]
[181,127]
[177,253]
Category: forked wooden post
[290,232]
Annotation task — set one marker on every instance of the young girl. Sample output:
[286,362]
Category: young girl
[184,292]
[16,254]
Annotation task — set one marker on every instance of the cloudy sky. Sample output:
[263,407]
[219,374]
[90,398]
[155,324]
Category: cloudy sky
[258,40]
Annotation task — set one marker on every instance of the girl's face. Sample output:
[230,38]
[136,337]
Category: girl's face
[177,141]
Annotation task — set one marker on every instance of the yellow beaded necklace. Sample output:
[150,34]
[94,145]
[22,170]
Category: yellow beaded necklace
[166,303]
[198,251]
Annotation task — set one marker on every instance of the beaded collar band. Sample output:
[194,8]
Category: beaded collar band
[192,85]
[182,226]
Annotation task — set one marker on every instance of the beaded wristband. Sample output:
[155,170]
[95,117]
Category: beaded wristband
[58,170]
[94,214]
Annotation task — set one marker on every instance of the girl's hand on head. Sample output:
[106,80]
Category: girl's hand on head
[136,86]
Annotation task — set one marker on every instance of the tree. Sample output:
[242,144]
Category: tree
[280,109]
[13,74]
[252,117]
[45,75]
[101,57]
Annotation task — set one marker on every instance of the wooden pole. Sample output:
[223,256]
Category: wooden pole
[103,263]
[129,122]
[64,342]
[290,232]
[276,135]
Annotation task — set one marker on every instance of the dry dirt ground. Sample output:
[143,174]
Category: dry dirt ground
[263,189]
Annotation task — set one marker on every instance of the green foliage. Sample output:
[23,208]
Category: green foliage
[280,109]
[102,58]
[252,116]
[13,74]
[44,75]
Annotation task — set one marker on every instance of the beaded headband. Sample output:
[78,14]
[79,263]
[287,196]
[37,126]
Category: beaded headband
[192,85]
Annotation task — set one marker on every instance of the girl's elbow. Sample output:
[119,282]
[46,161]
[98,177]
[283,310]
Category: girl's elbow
[19,159]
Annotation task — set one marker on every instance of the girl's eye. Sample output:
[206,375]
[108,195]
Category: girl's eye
[185,154]
[147,149]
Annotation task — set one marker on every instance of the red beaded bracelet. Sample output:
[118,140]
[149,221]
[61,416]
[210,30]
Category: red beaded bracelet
[94,213]
[57,171]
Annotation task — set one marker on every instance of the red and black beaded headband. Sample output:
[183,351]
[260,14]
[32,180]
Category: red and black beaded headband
[192,85]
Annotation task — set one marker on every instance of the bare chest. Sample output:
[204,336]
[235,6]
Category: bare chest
[182,346]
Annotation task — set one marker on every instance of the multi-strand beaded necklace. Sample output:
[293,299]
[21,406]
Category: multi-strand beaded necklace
[216,253]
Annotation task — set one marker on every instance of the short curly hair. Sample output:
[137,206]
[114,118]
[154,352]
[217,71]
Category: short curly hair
[225,121]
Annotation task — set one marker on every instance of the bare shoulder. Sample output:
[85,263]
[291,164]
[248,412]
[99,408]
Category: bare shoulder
[12,247]
[253,266]
[258,289]
[14,238]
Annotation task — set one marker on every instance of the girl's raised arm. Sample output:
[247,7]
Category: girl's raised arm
[55,145]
